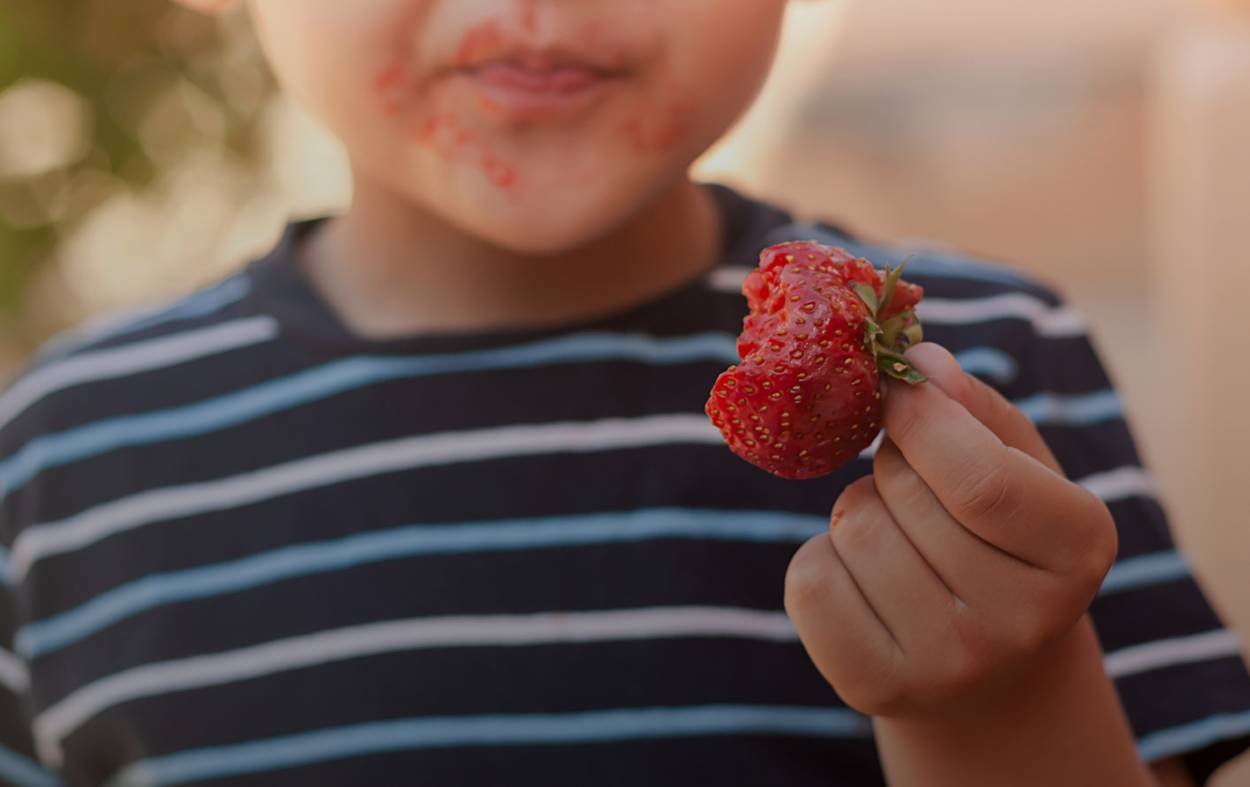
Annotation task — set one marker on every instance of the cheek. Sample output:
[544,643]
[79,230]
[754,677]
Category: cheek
[661,122]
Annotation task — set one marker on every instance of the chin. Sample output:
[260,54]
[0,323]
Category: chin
[545,229]
[536,239]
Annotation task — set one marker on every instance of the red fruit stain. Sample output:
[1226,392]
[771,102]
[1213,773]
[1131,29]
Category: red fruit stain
[498,172]
[443,134]
[658,130]
[388,78]
[481,42]
[427,133]
[387,86]
[488,105]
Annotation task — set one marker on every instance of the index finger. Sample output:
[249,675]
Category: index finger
[999,492]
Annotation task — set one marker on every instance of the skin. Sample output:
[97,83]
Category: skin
[519,222]
[948,600]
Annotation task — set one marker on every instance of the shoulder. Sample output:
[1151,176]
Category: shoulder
[63,381]
[207,304]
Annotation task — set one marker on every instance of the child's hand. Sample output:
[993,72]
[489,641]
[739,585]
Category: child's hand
[949,570]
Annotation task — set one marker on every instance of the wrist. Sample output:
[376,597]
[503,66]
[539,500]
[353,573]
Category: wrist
[1057,722]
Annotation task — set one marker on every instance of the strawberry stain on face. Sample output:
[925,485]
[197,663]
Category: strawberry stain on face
[480,42]
[498,172]
[389,77]
[660,128]
[444,135]
[388,87]
[430,118]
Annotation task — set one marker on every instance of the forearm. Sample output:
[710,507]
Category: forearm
[1062,724]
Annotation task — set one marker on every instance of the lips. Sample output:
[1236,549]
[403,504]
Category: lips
[522,78]
[533,86]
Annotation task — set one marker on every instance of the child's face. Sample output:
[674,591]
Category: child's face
[538,125]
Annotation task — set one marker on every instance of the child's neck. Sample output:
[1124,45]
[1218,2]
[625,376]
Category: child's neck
[388,269]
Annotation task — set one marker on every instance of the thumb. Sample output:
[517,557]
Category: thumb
[984,403]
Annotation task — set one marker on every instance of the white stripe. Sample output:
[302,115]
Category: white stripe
[1047,320]
[62,718]
[133,358]
[1120,484]
[1170,652]
[728,279]
[13,673]
[870,452]
[51,538]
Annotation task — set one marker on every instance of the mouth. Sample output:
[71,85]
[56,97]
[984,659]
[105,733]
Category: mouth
[522,78]
[536,85]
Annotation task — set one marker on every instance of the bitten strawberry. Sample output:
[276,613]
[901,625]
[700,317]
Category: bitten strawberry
[823,325]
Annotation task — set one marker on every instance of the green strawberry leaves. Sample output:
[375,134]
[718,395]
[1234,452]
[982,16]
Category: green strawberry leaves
[890,339]
[868,295]
[894,365]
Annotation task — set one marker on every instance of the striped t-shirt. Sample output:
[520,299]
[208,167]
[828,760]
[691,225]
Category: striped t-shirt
[244,546]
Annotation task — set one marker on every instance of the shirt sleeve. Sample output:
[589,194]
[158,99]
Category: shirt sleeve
[1177,667]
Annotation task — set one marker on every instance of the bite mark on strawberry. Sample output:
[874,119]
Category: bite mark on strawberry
[823,327]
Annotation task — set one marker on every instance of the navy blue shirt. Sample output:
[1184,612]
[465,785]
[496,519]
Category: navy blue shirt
[244,546]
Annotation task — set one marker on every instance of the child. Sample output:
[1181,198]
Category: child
[427,495]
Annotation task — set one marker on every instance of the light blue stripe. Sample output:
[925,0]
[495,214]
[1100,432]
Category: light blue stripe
[940,265]
[513,730]
[232,290]
[324,381]
[24,772]
[986,361]
[1072,410]
[6,576]
[40,638]
[201,304]
[1136,572]
[1193,736]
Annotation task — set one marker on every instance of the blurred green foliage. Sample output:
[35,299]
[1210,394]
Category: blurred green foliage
[95,47]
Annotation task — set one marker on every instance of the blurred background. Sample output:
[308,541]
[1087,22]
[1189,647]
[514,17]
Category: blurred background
[1101,147]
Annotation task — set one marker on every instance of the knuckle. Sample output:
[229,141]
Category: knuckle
[984,491]
[861,510]
[1100,544]
[969,673]
[966,667]
[859,492]
[862,529]
[898,479]
[1033,629]
[806,581]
